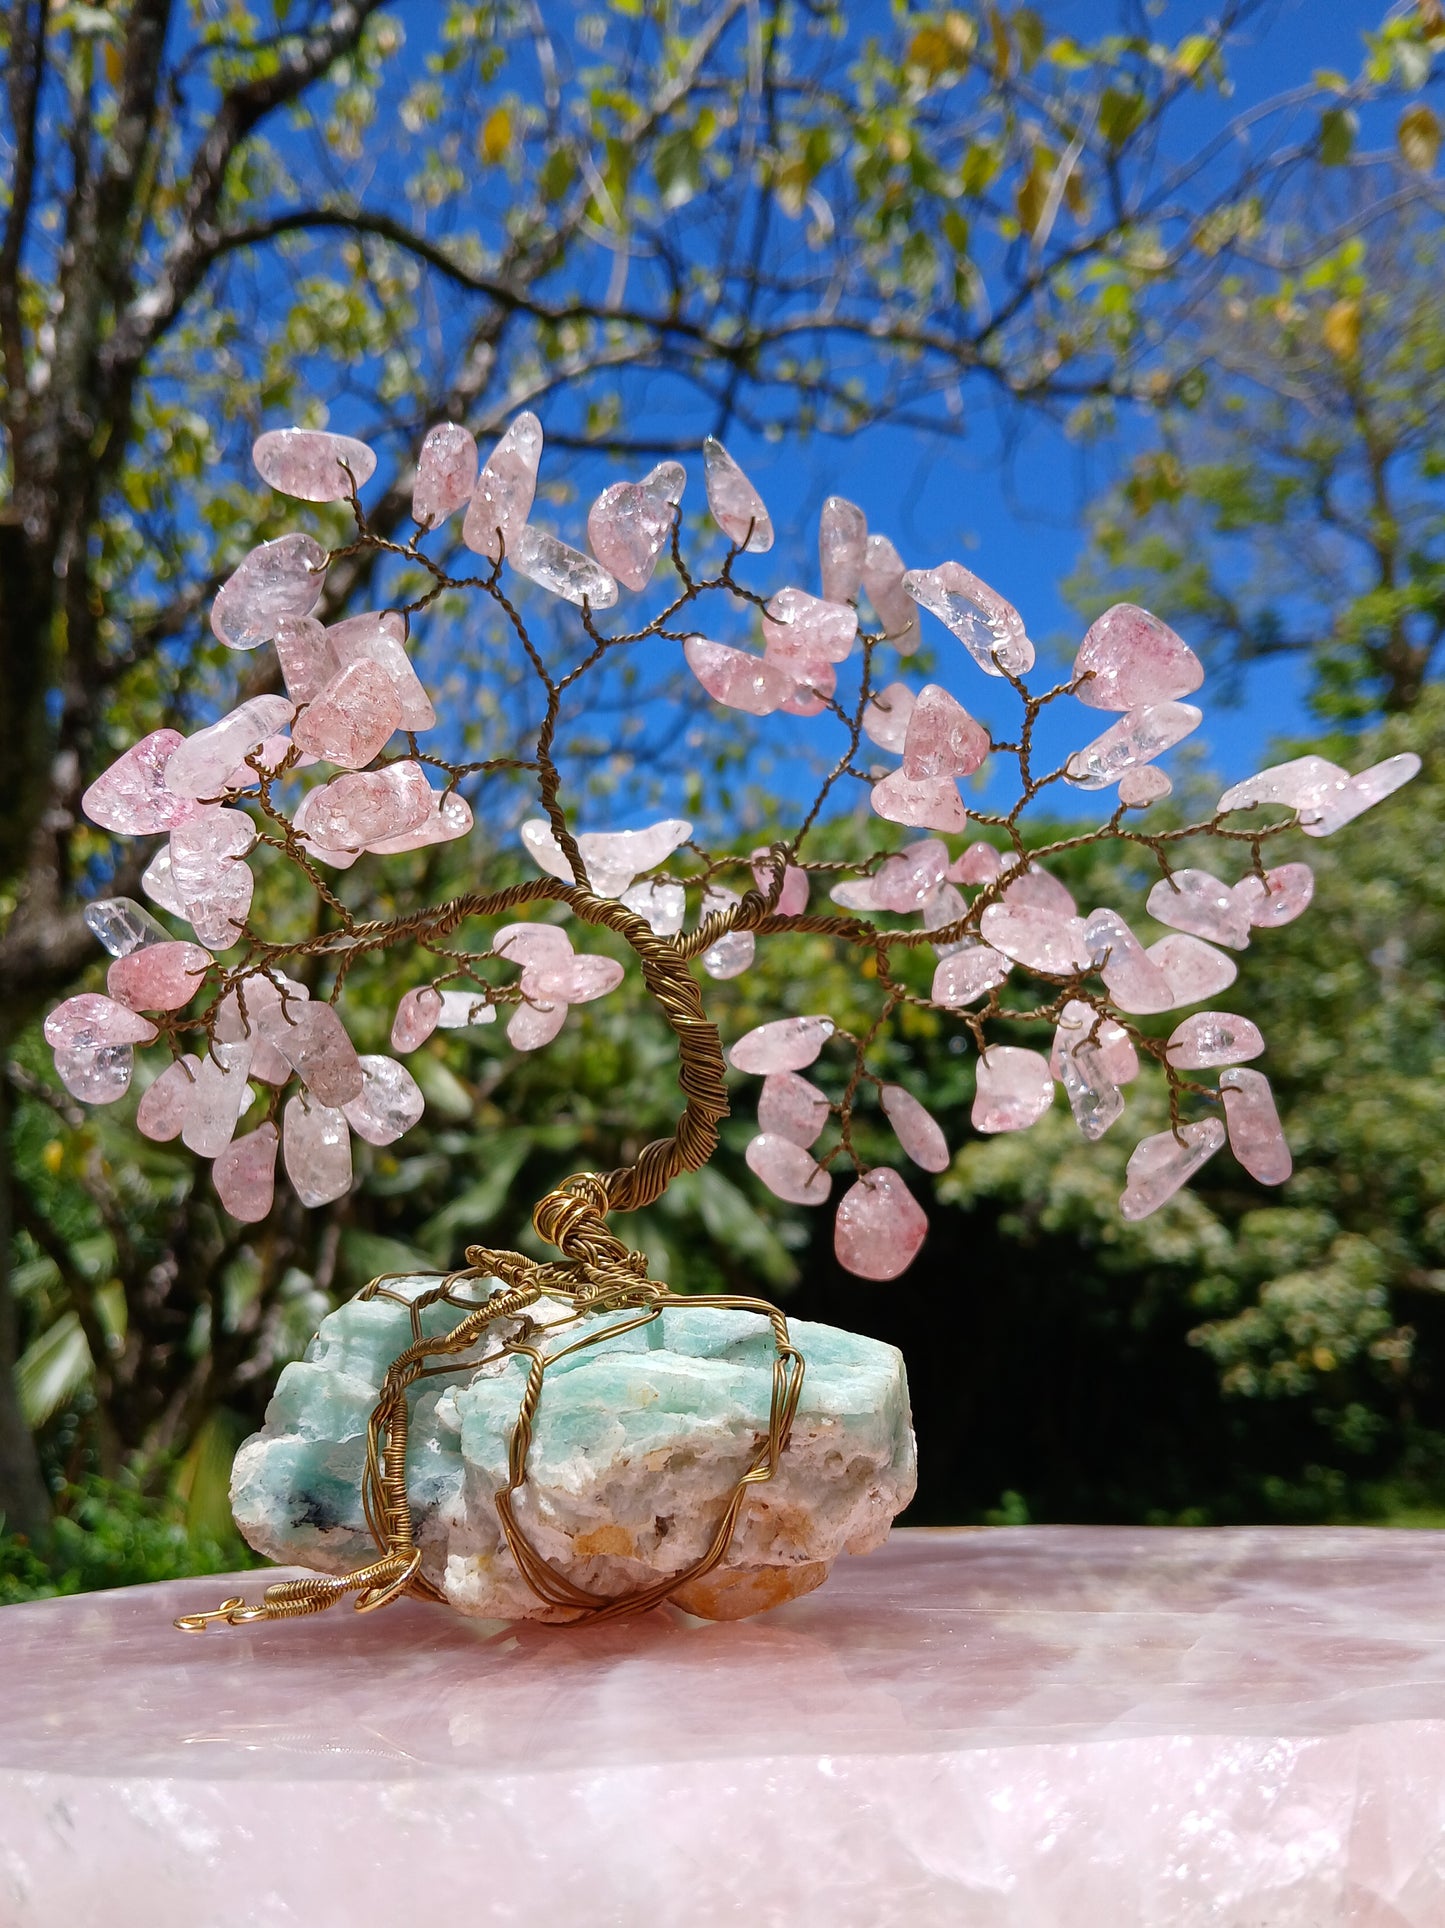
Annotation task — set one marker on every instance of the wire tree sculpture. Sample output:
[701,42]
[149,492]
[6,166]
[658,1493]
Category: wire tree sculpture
[339,767]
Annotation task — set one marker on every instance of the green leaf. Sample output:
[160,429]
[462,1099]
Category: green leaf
[52,1369]
[1120,112]
[1418,135]
[1338,127]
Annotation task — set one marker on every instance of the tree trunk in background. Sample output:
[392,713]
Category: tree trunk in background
[24,1499]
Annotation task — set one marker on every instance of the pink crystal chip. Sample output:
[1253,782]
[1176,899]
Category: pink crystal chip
[799,628]
[201,765]
[1131,658]
[162,977]
[560,569]
[1136,738]
[1304,784]
[1082,1029]
[1195,970]
[1197,902]
[578,980]
[791,1107]
[131,797]
[279,579]
[446,474]
[219,1096]
[1255,1135]
[1362,793]
[1212,1038]
[90,1021]
[244,1174]
[1143,784]
[990,629]
[915,1128]
[380,638]
[98,1077]
[1135,981]
[165,1104]
[880,1226]
[736,678]
[533,1025]
[1041,940]
[906,881]
[842,548]
[305,655]
[311,465]
[885,719]
[353,812]
[788,1170]
[1038,889]
[930,803]
[502,499]
[736,506]
[316,1146]
[352,718]
[793,895]
[964,977]
[313,1041]
[980,864]
[883,574]
[1159,1165]
[390,1102]
[942,740]
[416,1018]
[630,523]
[787,1044]
[1014,1089]
[1284,895]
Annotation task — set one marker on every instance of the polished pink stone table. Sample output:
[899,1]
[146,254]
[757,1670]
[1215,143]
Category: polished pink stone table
[1090,1727]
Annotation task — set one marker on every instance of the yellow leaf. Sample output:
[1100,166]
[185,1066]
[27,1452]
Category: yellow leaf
[1419,137]
[1341,329]
[496,136]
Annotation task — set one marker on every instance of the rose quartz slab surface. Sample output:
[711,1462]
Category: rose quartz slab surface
[1010,1728]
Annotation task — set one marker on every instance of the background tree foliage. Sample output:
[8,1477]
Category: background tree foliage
[652,221]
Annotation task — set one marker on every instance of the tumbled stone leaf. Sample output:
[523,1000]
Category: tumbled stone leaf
[352,718]
[578,980]
[1082,1029]
[905,882]
[533,943]
[352,812]
[316,1146]
[883,574]
[91,1021]
[661,905]
[1362,793]
[946,906]
[963,977]
[95,1077]
[980,864]
[1038,889]
[201,765]
[218,1097]
[1039,939]
[446,474]
[791,1107]
[311,465]
[132,798]
[942,740]
[1212,1038]
[390,1102]
[465,1010]
[1142,785]
[1199,903]
[1133,979]
[257,1002]
[799,628]
[732,953]
[612,858]
[268,757]
[1014,1089]
[1284,895]
[1136,738]
[930,803]
[560,569]
[279,579]
[1131,658]
[793,896]
[880,1226]
[737,678]
[244,1174]
[787,1170]
[990,629]
[123,926]
[814,681]
[1159,1165]
[1304,784]
[1195,970]
[1094,1099]
[379,637]
[314,1042]
[166,1102]
[630,523]
[786,1044]
[1255,1135]
[162,977]
[842,548]
[449,817]
[735,504]
[533,1025]
[915,1128]
[502,499]
[885,716]
[416,1018]
[206,849]
[304,652]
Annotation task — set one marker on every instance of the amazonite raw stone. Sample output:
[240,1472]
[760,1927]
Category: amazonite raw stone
[637,1445]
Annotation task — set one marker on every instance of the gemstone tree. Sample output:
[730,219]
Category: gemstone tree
[352,762]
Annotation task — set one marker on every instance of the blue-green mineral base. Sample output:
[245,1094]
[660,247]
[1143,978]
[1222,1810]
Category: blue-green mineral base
[637,1444]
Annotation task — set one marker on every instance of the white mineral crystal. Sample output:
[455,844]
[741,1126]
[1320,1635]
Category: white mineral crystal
[637,1445]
